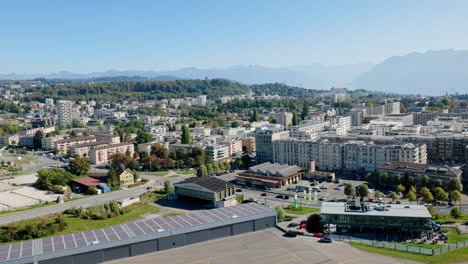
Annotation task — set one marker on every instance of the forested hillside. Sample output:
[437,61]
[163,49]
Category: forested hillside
[152,90]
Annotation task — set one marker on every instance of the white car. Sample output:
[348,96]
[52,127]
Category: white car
[338,188]
[324,187]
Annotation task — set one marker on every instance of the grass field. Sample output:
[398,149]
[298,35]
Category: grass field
[158,173]
[431,246]
[186,172]
[456,256]
[454,237]
[448,218]
[19,173]
[301,210]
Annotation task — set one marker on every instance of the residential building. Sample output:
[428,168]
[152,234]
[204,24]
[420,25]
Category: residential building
[126,177]
[102,155]
[201,100]
[234,146]
[392,108]
[248,144]
[264,146]
[62,146]
[283,118]
[65,113]
[307,130]
[217,151]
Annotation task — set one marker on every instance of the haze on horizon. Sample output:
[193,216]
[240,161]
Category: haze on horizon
[93,36]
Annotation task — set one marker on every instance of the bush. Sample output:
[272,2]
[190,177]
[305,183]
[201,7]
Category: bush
[313,224]
[92,191]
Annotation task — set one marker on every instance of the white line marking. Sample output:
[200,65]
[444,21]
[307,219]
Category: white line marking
[115,232]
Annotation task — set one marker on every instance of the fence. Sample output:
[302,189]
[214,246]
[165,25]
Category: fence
[401,247]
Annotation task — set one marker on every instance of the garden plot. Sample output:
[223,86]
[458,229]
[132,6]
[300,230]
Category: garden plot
[29,179]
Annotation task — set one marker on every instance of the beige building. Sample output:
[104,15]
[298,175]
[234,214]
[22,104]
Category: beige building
[126,177]
[101,155]
[62,146]
[248,144]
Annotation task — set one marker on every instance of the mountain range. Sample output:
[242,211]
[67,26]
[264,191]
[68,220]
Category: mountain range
[427,73]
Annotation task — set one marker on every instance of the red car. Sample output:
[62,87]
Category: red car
[303,222]
[263,194]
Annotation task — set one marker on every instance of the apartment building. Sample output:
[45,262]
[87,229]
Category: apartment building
[357,156]
[307,130]
[248,144]
[102,155]
[392,108]
[217,151]
[284,118]
[158,132]
[423,117]
[65,113]
[342,121]
[264,146]
[234,146]
[62,146]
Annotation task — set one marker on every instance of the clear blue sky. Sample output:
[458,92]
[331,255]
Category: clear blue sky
[84,36]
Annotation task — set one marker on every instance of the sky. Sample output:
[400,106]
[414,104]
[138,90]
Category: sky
[87,36]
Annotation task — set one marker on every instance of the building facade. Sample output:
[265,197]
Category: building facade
[264,146]
[65,113]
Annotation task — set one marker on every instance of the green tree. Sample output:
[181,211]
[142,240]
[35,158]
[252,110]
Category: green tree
[363,190]
[159,151]
[369,178]
[424,190]
[209,168]
[202,171]
[305,111]
[384,178]
[280,212]
[168,187]
[255,116]
[456,196]
[440,194]
[378,194]
[432,212]
[411,196]
[350,190]
[425,181]
[412,189]
[427,197]
[400,188]
[79,166]
[92,191]
[227,165]
[314,224]
[143,137]
[455,184]
[411,181]
[199,154]
[120,160]
[393,196]
[295,119]
[37,140]
[456,213]
[186,139]
[397,180]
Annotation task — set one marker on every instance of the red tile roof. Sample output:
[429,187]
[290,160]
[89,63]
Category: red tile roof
[87,181]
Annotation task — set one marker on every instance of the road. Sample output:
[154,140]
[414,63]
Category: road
[84,202]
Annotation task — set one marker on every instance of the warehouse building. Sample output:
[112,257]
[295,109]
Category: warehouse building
[210,190]
[140,237]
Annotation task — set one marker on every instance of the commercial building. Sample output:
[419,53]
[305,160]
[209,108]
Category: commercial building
[65,113]
[418,171]
[141,237]
[271,175]
[364,217]
[264,146]
[102,155]
[352,156]
[210,190]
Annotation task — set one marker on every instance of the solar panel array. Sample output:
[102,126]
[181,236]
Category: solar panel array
[127,230]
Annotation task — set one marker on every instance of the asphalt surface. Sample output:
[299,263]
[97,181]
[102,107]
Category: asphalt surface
[263,247]
[84,202]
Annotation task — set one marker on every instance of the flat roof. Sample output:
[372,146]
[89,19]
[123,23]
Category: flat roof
[257,179]
[394,210]
[164,226]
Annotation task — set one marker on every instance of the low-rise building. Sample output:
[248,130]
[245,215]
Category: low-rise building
[418,171]
[210,190]
[62,145]
[270,175]
[102,155]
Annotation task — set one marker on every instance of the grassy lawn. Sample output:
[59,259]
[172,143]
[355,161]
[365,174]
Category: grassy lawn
[173,214]
[186,172]
[448,218]
[301,210]
[431,246]
[453,236]
[456,256]
[158,173]
[19,173]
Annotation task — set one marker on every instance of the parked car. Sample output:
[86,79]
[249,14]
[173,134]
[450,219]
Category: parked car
[324,187]
[290,233]
[238,190]
[325,240]
[293,225]
[268,188]
[336,181]
[322,198]
[263,194]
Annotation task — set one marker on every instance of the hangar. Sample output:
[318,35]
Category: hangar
[140,237]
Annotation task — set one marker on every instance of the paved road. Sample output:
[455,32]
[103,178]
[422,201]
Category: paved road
[263,247]
[84,202]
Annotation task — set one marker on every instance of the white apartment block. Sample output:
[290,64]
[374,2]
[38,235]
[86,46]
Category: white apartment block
[62,146]
[65,113]
[201,100]
[201,131]
[158,132]
[218,152]
[307,130]
[392,108]
[102,155]
[234,146]
[356,156]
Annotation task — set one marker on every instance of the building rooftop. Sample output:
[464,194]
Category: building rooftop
[422,168]
[211,183]
[390,210]
[87,181]
[275,169]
